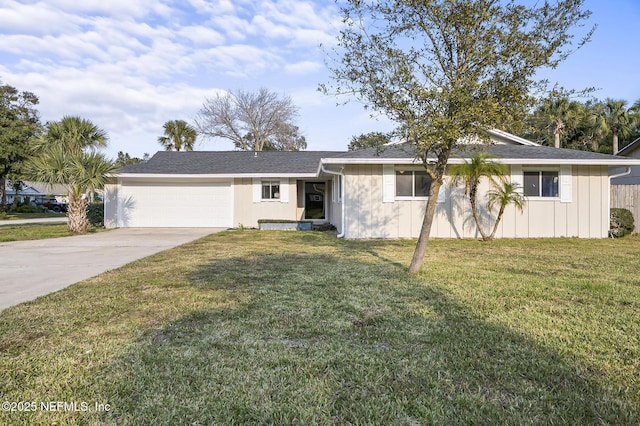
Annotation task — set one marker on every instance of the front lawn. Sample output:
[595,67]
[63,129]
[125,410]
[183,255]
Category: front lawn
[36,231]
[301,328]
[44,214]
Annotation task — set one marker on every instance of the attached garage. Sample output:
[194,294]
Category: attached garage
[167,204]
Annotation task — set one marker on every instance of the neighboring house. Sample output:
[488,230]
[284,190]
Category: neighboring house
[365,194]
[631,150]
[625,190]
[38,191]
[30,191]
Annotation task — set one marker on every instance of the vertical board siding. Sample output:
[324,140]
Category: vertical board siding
[368,216]
[627,197]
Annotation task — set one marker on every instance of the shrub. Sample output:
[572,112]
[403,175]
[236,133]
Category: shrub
[620,223]
[95,214]
[26,208]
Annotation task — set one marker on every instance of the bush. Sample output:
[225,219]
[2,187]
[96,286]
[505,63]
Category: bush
[26,208]
[620,223]
[95,214]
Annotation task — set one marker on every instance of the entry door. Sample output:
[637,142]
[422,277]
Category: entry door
[314,199]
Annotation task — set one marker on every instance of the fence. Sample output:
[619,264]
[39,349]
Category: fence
[627,197]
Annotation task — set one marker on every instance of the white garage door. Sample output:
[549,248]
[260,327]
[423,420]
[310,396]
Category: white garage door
[171,205]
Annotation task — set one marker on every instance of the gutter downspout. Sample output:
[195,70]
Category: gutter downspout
[340,173]
[625,173]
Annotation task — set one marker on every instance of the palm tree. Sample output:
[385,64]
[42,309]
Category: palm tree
[75,134]
[616,118]
[470,172]
[178,134]
[68,156]
[508,193]
[560,115]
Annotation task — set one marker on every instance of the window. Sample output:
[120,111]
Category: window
[541,184]
[270,190]
[337,188]
[412,183]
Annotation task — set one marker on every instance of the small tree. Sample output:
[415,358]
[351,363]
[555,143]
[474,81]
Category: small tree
[369,140]
[68,156]
[178,135]
[448,70]
[253,121]
[124,159]
[470,172]
[19,125]
[616,118]
[502,195]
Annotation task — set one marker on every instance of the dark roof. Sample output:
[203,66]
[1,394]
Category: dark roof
[629,147]
[515,152]
[307,162]
[231,162]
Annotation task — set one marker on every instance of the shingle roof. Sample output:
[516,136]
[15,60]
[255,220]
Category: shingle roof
[294,163]
[231,162]
[513,152]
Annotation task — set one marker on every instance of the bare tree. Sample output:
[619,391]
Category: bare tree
[253,121]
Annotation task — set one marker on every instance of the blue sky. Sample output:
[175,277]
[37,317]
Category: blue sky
[131,65]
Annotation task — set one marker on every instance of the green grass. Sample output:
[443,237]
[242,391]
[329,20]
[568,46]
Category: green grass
[17,216]
[300,328]
[36,231]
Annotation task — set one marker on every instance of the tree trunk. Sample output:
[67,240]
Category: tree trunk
[556,139]
[77,213]
[498,219]
[3,192]
[615,142]
[425,231]
[474,210]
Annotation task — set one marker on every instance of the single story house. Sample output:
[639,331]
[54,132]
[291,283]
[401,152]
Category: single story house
[365,194]
[28,190]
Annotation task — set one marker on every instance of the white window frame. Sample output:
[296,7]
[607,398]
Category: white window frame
[413,184]
[257,184]
[271,184]
[337,189]
[539,170]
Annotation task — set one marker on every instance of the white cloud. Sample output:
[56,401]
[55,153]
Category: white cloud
[304,67]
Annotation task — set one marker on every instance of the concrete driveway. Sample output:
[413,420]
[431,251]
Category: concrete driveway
[29,269]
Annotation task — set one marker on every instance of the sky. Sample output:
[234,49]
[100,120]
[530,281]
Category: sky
[131,65]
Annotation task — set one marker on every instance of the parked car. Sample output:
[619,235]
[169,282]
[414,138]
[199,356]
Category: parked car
[56,206]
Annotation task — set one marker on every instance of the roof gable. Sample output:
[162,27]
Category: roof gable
[631,149]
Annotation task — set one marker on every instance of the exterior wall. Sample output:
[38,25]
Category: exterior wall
[585,216]
[111,205]
[335,204]
[247,212]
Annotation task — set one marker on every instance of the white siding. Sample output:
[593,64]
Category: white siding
[585,215]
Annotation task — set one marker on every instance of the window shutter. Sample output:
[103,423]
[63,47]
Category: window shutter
[257,190]
[388,183]
[566,187]
[284,191]
[517,178]
[442,193]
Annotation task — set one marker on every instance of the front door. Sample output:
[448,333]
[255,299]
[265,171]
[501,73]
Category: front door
[314,199]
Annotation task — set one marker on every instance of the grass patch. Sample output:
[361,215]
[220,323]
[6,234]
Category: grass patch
[36,231]
[17,216]
[286,328]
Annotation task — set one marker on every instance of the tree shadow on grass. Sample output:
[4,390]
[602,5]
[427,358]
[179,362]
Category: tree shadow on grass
[330,339]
